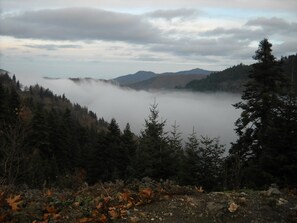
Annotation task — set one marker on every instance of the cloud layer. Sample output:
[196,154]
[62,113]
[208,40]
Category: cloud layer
[79,24]
[209,114]
[234,4]
[143,35]
[75,24]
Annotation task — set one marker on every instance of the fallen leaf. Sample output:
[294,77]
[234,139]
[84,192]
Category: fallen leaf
[103,219]
[123,213]
[85,220]
[14,202]
[139,203]
[99,206]
[125,196]
[199,189]
[49,193]
[113,213]
[146,193]
[129,205]
[51,209]
[233,207]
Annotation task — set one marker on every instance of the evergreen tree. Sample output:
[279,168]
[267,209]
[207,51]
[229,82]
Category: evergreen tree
[129,148]
[69,141]
[38,148]
[3,104]
[211,162]
[116,155]
[203,162]
[175,145]
[280,160]
[258,124]
[14,106]
[99,168]
[56,142]
[153,154]
[190,165]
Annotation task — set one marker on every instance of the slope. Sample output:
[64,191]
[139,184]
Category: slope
[231,79]
[234,78]
[166,81]
[133,78]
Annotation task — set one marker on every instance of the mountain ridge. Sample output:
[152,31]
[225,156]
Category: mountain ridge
[136,77]
[144,80]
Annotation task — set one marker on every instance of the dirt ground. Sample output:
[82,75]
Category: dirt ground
[146,201]
[252,207]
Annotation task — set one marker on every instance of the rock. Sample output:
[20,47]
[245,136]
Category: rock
[217,193]
[243,194]
[273,191]
[134,220]
[242,201]
[281,201]
[213,208]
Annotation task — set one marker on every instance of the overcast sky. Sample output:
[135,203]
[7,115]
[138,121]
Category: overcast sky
[109,38]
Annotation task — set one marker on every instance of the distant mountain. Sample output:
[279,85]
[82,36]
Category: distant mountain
[166,81]
[133,78]
[151,80]
[189,72]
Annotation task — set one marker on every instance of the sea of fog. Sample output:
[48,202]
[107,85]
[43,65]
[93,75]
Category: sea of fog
[210,114]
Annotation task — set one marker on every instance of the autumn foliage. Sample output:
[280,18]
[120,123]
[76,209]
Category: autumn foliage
[100,203]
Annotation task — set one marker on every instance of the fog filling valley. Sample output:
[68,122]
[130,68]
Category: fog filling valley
[210,114]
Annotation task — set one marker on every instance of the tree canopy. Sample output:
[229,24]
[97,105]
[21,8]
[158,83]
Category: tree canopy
[264,119]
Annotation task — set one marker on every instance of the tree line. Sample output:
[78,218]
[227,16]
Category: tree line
[47,141]
[46,145]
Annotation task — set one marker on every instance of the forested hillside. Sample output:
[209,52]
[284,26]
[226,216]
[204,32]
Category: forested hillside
[166,82]
[43,135]
[233,79]
[47,141]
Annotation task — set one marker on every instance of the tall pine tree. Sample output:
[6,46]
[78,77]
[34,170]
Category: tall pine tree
[259,123]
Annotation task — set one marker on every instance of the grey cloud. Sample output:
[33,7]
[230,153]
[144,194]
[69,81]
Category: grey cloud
[235,42]
[286,48]
[175,13]
[233,4]
[274,25]
[265,27]
[52,46]
[223,47]
[243,34]
[148,57]
[79,24]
